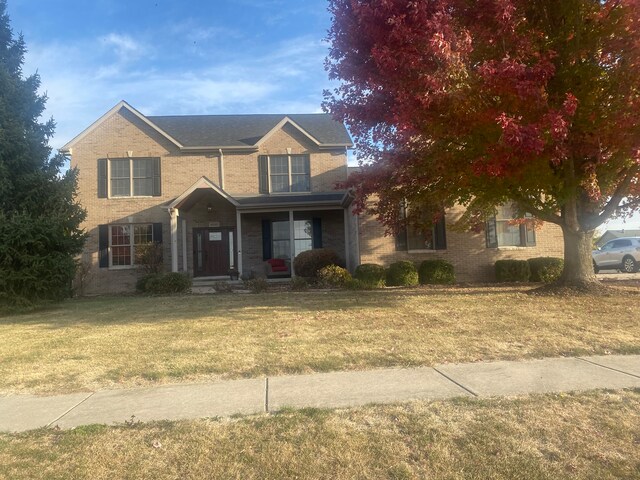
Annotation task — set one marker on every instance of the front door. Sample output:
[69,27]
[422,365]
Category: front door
[213,251]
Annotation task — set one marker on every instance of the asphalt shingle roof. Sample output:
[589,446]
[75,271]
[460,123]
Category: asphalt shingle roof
[246,130]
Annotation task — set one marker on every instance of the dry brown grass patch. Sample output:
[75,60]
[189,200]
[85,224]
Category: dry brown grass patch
[578,436]
[120,342]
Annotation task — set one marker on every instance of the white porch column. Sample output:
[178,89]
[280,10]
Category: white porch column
[184,246]
[346,238]
[239,241]
[174,239]
[292,245]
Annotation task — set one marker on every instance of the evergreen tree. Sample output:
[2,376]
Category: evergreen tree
[39,217]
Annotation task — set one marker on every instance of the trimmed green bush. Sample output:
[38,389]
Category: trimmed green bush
[402,274]
[164,283]
[141,284]
[371,274]
[545,269]
[356,284]
[512,271]
[436,272]
[308,264]
[333,276]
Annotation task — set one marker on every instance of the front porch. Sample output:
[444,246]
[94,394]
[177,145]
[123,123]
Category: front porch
[215,235]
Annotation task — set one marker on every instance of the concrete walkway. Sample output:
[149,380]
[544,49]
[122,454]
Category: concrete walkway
[339,389]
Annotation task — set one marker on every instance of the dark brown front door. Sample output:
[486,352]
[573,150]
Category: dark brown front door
[212,251]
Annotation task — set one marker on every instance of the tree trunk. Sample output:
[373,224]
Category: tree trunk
[578,263]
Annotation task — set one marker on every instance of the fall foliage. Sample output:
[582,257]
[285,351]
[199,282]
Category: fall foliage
[535,102]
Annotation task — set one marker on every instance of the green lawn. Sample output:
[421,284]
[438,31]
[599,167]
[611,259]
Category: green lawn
[579,436]
[113,342]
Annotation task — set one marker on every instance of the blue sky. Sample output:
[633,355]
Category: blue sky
[171,57]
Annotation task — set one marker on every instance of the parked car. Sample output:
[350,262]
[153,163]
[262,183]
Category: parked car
[620,254]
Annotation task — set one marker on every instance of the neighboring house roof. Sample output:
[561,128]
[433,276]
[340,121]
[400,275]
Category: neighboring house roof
[193,132]
[613,234]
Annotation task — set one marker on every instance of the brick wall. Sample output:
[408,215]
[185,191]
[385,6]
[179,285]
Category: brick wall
[123,132]
[467,251]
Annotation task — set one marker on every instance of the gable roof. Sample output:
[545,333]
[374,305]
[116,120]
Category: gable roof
[242,131]
[122,104]
[613,234]
[207,132]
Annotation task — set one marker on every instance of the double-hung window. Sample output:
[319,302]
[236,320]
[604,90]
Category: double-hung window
[284,173]
[128,177]
[123,240]
[428,236]
[503,231]
[302,238]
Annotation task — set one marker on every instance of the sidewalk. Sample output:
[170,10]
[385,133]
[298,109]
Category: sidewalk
[339,389]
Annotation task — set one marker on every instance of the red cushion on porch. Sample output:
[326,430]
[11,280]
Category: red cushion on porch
[276,263]
[282,268]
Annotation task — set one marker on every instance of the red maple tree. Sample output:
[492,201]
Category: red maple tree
[487,102]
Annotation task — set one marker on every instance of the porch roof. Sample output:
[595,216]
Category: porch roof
[339,199]
[197,191]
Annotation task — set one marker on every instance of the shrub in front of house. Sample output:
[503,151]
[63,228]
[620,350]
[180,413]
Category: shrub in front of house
[438,272]
[545,269]
[299,284]
[333,276]
[371,274]
[512,271]
[257,284]
[308,264]
[164,283]
[355,284]
[402,274]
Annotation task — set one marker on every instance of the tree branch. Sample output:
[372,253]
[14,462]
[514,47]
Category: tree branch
[614,202]
[537,212]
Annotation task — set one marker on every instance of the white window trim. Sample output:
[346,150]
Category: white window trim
[288,155]
[131,195]
[131,244]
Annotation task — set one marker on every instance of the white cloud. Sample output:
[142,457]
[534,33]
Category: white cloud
[83,80]
[125,47]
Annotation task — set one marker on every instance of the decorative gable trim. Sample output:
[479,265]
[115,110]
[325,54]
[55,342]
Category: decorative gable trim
[202,182]
[279,127]
[122,104]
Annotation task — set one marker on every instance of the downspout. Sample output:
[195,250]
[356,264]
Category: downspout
[221,168]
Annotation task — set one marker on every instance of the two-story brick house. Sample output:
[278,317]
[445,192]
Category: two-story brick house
[229,192]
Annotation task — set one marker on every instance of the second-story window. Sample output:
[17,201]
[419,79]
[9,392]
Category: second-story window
[284,173]
[129,177]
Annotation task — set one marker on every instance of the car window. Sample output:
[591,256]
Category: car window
[607,246]
[621,243]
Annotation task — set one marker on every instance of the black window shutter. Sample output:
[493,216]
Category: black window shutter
[491,233]
[401,240]
[440,234]
[103,245]
[528,234]
[266,239]
[157,184]
[157,232]
[263,174]
[317,233]
[102,178]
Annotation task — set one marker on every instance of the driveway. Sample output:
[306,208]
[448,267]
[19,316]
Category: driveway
[615,275]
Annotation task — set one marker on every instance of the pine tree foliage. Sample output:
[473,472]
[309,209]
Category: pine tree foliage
[40,218]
